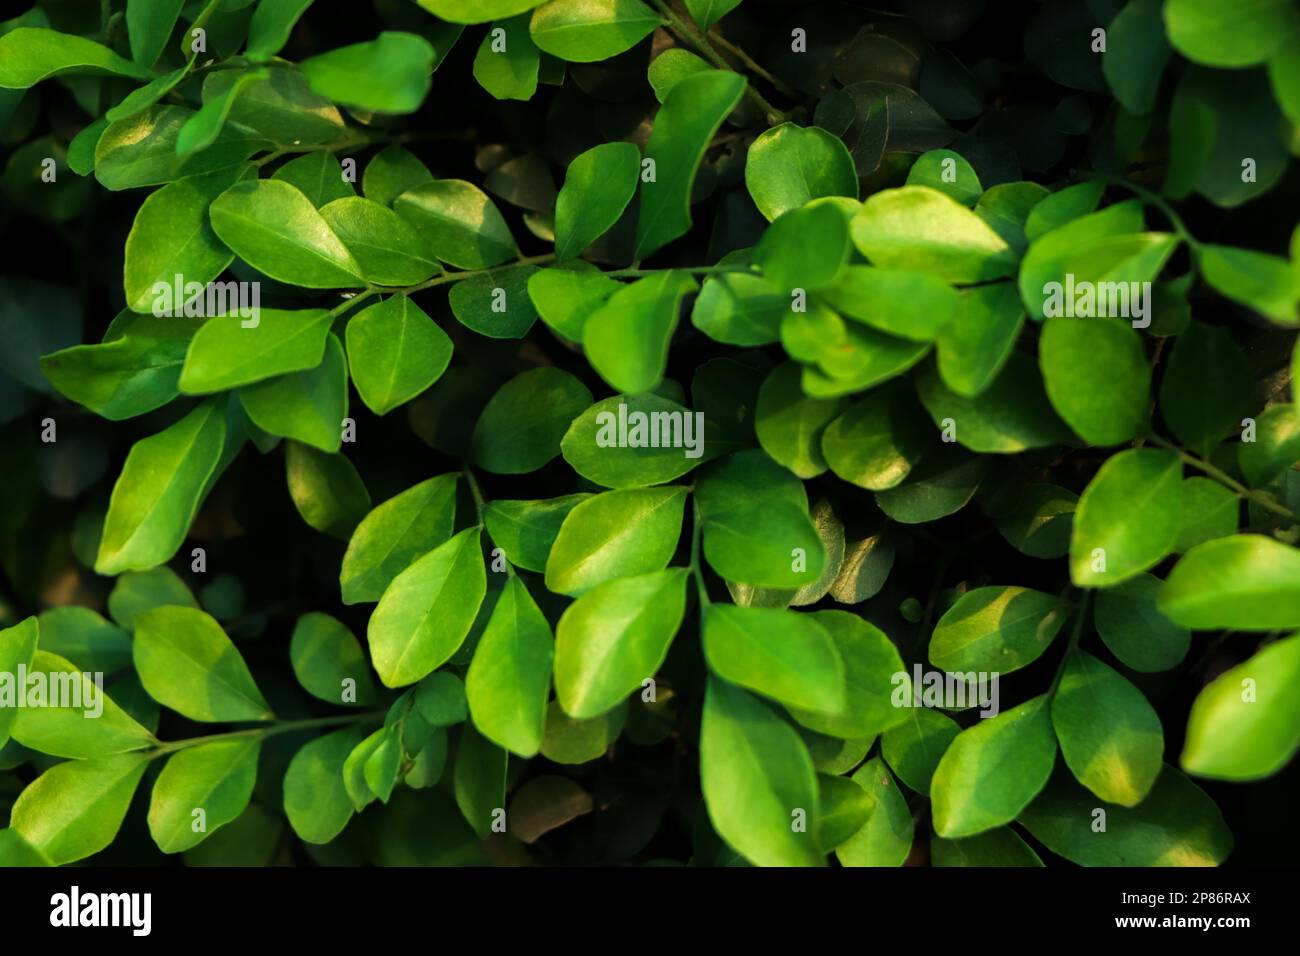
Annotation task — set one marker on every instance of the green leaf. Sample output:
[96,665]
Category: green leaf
[1215,121]
[138,591]
[610,443]
[144,97]
[1110,736]
[1176,825]
[1245,724]
[992,770]
[1210,33]
[997,629]
[978,342]
[1136,54]
[1276,447]
[1040,520]
[911,305]
[1076,356]
[614,637]
[627,338]
[32,54]
[1007,208]
[81,151]
[1011,415]
[999,847]
[186,662]
[133,372]
[949,173]
[756,526]
[871,663]
[272,23]
[426,611]
[395,352]
[1066,205]
[66,713]
[845,807]
[229,351]
[683,128]
[789,165]
[671,67]
[706,13]
[790,425]
[148,519]
[597,188]
[941,486]
[149,23]
[584,31]
[202,129]
[877,441]
[140,150]
[394,534]
[565,296]
[914,747]
[458,223]
[1247,582]
[477,11]
[389,74]
[510,676]
[496,304]
[441,700]
[480,780]
[520,429]
[866,566]
[1206,387]
[526,530]
[886,838]
[508,73]
[781,654]
[569,741]
[17,648]
[757,778]
[279,105]
[326,489]
[315,798]
[805,248]
[392,172]
[863,359]
[739,309]
[1128,517]
[328,661]
[318,176]
[384,245]
[74,809]
[921,229]
[216,778]
[616,534]
[306,406]
[16,851]
[1129,623]
[1209,511]
[1266,284]
[1101,247]
[273,227]
[171,237]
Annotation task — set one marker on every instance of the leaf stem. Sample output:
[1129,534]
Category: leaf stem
[697,571]
[1154,199]
[750,64]
[688,33]
[447,277]
[1081,615]
[1265,501]
[472,480]
[282,728]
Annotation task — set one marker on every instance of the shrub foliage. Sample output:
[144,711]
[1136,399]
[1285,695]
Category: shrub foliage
[607,430]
